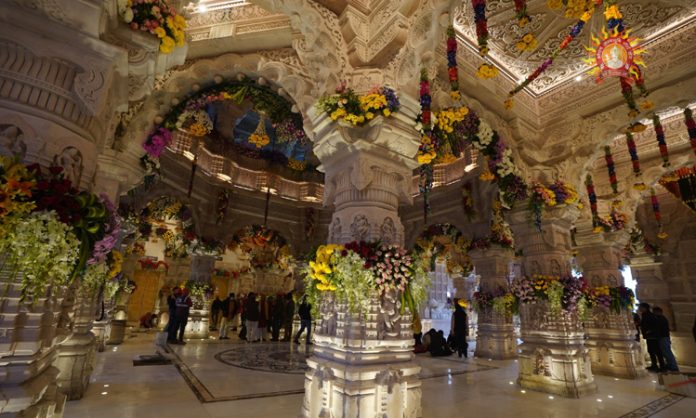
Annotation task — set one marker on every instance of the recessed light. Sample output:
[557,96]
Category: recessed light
[599,400]
[511,382]
[578,78]
[551,397]
[106,386]
[610,396]
[105,393]
[523,391]
[202,8]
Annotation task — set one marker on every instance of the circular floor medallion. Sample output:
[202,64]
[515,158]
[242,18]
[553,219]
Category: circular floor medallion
[272,357]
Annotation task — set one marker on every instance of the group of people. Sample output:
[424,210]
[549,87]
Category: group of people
[257,316]
[655,329]
[434,341]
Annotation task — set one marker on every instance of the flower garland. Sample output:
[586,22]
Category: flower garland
[611,170]
[592,197]
[348,106]
[574,32]
[660,135]
[521,13]
[615,222]
[617,299]
[427,151]
[658,215]
[191,114]
[357,269]
[156,17]
[565,293]
[452,69]
[633,152]
[481,23]
[691,127]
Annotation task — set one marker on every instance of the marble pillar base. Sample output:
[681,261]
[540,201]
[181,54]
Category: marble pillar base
[613,348]
[495,336]
[362,366]
[101,330]
[117,333]
[553,357]
[198,323]
[75,360]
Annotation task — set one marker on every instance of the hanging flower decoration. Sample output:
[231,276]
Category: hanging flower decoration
[481,23]
[592,197]
[660,135]
[359,269]
[195,121]
[452,69]
[346,105]
[157,18]
[574,32]
[616,220]
[267,249]
[658,215]
[521,14]
[611,170]
[635,162]
[616,54]
[427,151]
[691,127]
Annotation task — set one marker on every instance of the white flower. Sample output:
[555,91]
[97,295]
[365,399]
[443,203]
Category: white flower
[485,133]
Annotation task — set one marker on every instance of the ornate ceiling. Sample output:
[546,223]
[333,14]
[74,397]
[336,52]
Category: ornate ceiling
[649,21]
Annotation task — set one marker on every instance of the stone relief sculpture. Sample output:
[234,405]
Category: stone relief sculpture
[70,159]
[12,142]
[328,314]
[555,267]
[336,230]
[388,231]
[389,316]
[360,228]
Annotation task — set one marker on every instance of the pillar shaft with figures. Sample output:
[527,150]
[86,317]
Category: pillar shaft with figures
[610,335]
[495,337]
[553,357]
[363,365]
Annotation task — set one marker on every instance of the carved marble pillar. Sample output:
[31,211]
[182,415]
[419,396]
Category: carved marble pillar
[76,354]
[28,349]
[552,357]
[650,285]
[363,366]
[495,337]
[610,335]
[202,267]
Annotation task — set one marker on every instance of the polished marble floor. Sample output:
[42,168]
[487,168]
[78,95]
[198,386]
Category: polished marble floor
[211,379]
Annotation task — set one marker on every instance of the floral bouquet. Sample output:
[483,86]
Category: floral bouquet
[500,300]
[615,298]
[195,121]
[562,293]
[157,18]
[357,109]
[357,269]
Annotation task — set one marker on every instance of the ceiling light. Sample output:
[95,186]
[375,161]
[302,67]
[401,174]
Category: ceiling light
[578,78]
[202,8]
[551,397]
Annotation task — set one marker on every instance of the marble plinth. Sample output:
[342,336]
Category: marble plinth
[75,361]
[495,336]
[28,343]
[101,330]
[198,322]
[117,331]
[362,366]
[613,348]
[553,357]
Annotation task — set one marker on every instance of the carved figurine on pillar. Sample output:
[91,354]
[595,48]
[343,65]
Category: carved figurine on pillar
[610,329]
[553,357]
[363,364]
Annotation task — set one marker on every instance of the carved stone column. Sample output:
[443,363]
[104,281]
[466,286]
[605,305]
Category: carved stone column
[363,366]
[495,337]
[611,335]
[76,354]
[553,357]
[202,267]
[650,285]
[28,349]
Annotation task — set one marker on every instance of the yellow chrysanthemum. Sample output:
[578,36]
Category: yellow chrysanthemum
[160,32]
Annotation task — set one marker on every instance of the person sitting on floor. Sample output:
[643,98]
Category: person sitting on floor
[438,345]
